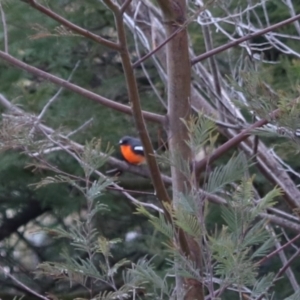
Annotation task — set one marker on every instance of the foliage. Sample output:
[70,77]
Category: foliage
[115,239]
[231,248]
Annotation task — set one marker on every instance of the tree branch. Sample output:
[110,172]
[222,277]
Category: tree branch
[72,26]
[79,90]
[134,98]
[144,172]
[169,38]
[125,5]
[201,165]
[243,39]
[51,101]
[22,285]
[263,260]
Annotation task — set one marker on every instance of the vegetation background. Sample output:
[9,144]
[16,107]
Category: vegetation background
[30,216]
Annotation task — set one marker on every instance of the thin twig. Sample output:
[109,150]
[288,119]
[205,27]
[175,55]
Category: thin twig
[41,115]
[171,36]
[58,93]
[47,131]
[125,5]
[214,71]
[263,260]
[142,64]
[287,167]
[25,287]
[131,191]
[287,238]
[84,32]
[289,4]
[45,151]
[137,63]
[280,272]
[233,142]
[288,270]
[225,125]
[83,126]
[5,34]
[243,39]
[288,263]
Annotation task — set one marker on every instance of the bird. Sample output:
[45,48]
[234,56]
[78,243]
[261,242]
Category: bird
[132,150]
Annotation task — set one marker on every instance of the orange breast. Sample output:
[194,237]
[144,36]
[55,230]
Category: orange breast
[130,156]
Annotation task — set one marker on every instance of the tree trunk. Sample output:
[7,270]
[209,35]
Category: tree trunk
[179,107]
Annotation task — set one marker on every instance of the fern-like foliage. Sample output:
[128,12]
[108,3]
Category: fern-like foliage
[123,293]
[242,238]
[231,262]
[189,203]
[15,134]
[266,201]
[159,223]
[188,223]
[232,171]
[290,134]
[86,244]
[202,135]
[92,158]
[97,187]
[236,214]
[229,254]
[184,266]
[144,274]
[262,285]
[263,100]
[202,132]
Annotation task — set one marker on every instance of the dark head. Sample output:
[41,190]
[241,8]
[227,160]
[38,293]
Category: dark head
[126,140]
[129,140]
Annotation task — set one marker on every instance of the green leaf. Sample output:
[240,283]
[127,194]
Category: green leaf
[188,222]
[97,187]
[104,245]
[232,219]
[163,226]
[262,285]
[144,273]
[114,269]
[201,131]
[267,201]
[234,170]
[92,157]
[257,234]
[125,292]
[264,249]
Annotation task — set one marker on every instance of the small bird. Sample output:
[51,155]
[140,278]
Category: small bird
[132,150]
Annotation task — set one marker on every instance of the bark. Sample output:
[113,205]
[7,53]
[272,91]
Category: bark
[179,107]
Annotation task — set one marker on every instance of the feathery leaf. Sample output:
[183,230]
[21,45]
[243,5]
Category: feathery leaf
[234,170]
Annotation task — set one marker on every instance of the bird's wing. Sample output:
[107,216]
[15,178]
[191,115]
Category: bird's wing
[139,150]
